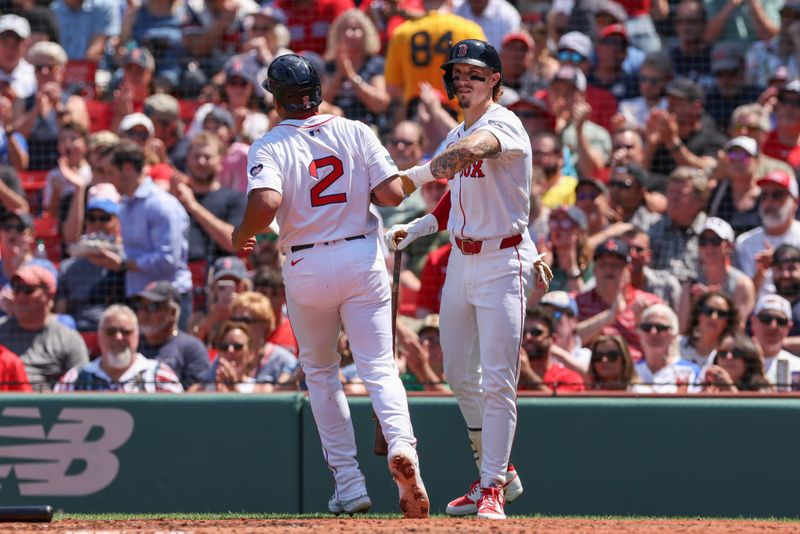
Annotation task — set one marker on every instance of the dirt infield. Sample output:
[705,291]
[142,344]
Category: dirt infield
[438,525]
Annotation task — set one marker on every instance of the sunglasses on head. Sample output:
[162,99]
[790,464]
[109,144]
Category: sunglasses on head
[648,327]
[767,319]
[98,217]
[611,355]
[23,288]
[228,347]
[570,56]
[113,331]
[730,354]
[709,311]
[15,227]
[713,241]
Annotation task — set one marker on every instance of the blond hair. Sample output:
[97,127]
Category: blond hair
[255,303]
[372,41]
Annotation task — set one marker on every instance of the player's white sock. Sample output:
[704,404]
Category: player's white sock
[476,442]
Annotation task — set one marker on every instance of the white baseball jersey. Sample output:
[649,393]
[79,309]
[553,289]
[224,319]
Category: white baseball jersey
[325,167]
[478,195]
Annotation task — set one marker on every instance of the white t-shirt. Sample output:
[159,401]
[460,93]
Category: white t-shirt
[325,167]
[793,369]
[491,198]
[668,378]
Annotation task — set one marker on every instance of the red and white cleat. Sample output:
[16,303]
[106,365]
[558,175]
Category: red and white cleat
[468,503]
[491,502]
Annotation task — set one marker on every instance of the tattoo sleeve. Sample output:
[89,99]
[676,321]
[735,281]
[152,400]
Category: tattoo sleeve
[465,152]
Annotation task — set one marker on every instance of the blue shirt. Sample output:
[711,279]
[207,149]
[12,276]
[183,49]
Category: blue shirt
[155,231]
[79,27]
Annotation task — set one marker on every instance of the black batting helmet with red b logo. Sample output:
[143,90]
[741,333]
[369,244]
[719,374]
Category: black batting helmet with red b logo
[472,52]
[294,83]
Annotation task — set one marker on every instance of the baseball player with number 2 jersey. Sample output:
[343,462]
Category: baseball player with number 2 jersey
[488,159]
[318,173]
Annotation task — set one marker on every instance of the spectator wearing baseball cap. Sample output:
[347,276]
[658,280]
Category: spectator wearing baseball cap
[754,120]
[228,277]
[164,111]
[567,240]
[517,54]
[783,142]
[735,199]
[627,188]
[777,206]
[786,276]
[653,76]
[564,311]
[775,61]
[612,285]
[682,135]
[608,72]
[158,309]
[86,288]
[770,323]
[134,85]
[731,89]
[716,270]
[568,103]
[14,70]
[424,368]
[137,127]
[47,347]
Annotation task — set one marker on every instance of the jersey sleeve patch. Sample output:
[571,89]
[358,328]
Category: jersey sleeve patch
[256,169]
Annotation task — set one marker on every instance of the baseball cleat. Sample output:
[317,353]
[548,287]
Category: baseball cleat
[359,505]
[491,502]
[468,503]
[414,501]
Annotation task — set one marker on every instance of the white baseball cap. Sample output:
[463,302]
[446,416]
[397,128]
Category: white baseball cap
[774,303]
[561,300]
[136,119]
[748,144]
[578,42]
[16,24]
[719,227]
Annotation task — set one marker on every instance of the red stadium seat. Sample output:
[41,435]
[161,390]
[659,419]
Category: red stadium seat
[33,183]
[100,114]
[79,74]
[46,228]
[188,109]
[90,338]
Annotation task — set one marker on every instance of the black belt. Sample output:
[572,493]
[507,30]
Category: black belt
[298,248]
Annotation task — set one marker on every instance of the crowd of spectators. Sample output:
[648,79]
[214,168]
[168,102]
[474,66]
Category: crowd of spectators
[665,137]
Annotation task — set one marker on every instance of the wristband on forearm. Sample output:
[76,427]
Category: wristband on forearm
[420,174]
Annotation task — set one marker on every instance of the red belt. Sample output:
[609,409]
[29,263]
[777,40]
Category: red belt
[469,247]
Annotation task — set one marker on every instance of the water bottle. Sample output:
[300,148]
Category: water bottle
[41,251]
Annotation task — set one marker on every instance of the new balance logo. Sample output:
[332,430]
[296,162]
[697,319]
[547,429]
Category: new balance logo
[44,461]
[474,170]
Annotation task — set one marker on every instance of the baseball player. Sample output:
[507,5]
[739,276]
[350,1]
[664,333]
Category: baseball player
[317,174]
[488,160]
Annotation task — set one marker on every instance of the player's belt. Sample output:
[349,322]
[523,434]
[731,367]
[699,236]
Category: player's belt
[469,247]
[298,248]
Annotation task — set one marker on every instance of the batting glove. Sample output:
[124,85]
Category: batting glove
[419,174]
[400,236]
[543,271]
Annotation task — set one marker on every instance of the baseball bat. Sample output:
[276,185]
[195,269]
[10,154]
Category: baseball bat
[381,448]
[27,514]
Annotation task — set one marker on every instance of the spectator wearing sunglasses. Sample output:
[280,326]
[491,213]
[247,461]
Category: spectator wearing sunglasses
[608,72]
[47,347]
[611,367]
[538,368]
[735,199]
[712,317]
[736,366]
[662,369]
[770,323]
[571,263]
[158,310]
[120,368]
[234,368]
[591,196]
[715,272]
[754,120]
[85,287]
[627,189]
[228,277]
[786,276]
[654,75]
[784,141]
[613,305]
[777,206]
[564,310]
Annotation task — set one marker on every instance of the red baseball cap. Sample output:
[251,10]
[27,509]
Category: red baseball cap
[518,36]
[782,179]
[614,29]
[36,275]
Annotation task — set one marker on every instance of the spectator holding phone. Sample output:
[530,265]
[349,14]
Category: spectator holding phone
[228,277]
[736,366]
[770,323]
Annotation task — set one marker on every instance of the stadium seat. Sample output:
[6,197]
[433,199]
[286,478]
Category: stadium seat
[92,344]
[33,183]
[46,228]
[188,109]
[100,114]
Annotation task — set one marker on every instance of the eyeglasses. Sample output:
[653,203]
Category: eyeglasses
[535,332]
[714,241]
[21,288]
[587,195]
[402,143]
[648,327]
[564,224]
[739,128]
[777,195]
[738,155]
[99,217]
[141,135]
[40,68]
[16,227]
[236,82]
[611,355]
[709,311]
[650,80]
[113,331]
[228,347]
[731,354]
[621,184]
[767,319]
[148,306]
[247,320]
[619,42]
[569,56]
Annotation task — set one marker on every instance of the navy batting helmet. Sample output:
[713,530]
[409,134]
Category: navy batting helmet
[472,52]
[294,83]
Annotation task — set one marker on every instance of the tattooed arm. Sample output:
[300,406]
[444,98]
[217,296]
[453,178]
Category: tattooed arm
[476,146]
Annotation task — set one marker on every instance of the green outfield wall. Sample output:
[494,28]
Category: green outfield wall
[261,453]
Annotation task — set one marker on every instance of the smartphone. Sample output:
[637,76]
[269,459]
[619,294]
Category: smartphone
[225,289]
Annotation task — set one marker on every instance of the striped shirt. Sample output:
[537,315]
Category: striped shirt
[143,376]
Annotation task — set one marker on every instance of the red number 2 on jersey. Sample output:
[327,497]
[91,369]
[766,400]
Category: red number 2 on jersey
[317,199]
